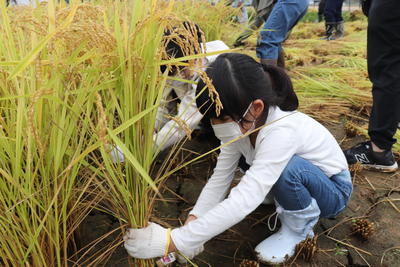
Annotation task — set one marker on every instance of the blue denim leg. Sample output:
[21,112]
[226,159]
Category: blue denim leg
[333,11]
[283,17]
[301,180]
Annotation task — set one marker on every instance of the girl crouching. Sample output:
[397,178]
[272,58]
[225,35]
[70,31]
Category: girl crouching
[290,155]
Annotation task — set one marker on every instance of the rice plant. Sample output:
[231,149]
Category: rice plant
[47,121]
[215,20]
[76,81]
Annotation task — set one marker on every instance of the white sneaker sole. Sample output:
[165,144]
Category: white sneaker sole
[381,168]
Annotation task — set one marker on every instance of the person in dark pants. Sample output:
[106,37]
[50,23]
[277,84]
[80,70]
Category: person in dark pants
[321,10]
[383,57]
[333,19]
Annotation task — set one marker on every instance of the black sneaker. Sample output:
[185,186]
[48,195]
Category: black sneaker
[363,153]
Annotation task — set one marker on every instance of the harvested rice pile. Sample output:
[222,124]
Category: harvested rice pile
[331,78]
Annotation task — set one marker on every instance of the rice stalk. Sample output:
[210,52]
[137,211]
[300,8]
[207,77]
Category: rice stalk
[46,127]
[212,19]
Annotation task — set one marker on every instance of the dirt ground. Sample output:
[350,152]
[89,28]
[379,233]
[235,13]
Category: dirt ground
[375,197]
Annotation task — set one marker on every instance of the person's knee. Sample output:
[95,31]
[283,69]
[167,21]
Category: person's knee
[290,174]
[293,167]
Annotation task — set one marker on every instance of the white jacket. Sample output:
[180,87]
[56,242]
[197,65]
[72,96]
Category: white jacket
[25,2]
[296,134]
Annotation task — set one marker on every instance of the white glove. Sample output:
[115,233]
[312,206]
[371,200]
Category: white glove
[188,254]
[146,243]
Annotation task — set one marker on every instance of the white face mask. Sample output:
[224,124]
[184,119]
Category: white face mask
[230,130]
[227,131]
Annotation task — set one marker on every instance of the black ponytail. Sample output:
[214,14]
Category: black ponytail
[239,80]
[282,85]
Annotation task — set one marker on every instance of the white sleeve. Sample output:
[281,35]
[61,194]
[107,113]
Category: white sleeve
[171,132]
[162,110]
[271,158]
[217,186]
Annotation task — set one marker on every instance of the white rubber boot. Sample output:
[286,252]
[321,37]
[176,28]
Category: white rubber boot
[297,225]
[116,154]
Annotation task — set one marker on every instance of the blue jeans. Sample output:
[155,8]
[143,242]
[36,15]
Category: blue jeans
[284,16]
[333,11]
[301,180]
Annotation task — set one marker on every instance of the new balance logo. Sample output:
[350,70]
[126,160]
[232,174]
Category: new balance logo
[361,158]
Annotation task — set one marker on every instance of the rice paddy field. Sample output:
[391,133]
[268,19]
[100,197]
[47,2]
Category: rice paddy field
[78,79]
